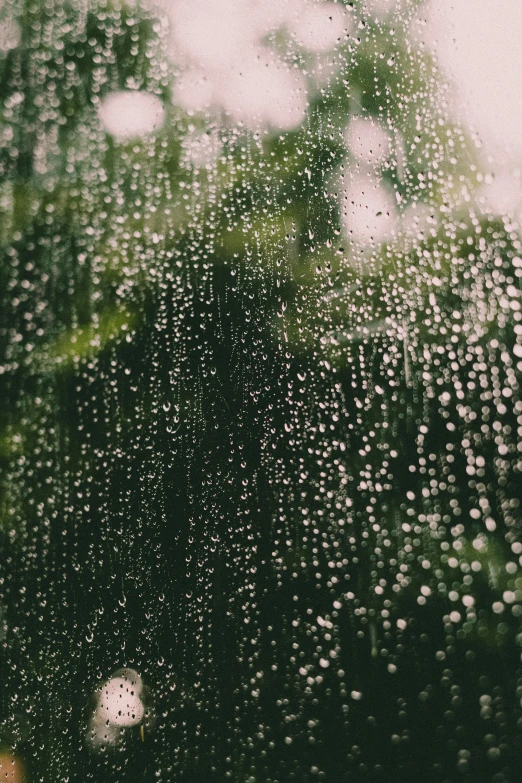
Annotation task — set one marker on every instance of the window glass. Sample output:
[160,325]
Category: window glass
[260,358]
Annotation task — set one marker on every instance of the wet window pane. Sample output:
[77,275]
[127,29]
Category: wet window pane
[260,432]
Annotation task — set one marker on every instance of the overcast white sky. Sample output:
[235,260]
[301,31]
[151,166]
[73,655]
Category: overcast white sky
[480,44]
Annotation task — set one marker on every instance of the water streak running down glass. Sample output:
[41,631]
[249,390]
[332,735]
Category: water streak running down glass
[260,362]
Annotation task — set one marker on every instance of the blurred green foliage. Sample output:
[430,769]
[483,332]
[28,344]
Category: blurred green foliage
[196,361]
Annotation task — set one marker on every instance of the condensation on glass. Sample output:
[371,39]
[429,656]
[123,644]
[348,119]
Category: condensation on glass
[260,431]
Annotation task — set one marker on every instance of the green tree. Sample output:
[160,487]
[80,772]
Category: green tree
[268,465]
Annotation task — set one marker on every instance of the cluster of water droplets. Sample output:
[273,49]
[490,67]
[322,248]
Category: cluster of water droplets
[260,347]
